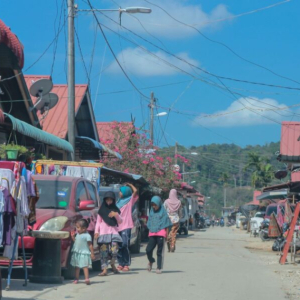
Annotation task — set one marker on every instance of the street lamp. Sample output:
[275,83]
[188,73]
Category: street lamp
[71,61]
[161,114]
[194,153]
[193,182]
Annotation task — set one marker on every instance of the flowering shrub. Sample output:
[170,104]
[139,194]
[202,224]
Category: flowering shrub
[140,157]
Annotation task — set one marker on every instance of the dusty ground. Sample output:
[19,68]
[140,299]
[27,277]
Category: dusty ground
[289,274]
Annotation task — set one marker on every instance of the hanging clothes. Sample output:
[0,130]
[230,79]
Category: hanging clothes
[2,206]
[9,214]
[32,200]
[8,175]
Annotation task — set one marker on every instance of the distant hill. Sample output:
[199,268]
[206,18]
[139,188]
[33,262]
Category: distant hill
[216,159]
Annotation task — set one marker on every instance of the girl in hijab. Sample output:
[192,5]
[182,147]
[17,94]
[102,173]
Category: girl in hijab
[128,196]
[158,223]
[173,208]
[106,232]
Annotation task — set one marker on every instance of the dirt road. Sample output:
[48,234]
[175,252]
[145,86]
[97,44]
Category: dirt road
[211,265]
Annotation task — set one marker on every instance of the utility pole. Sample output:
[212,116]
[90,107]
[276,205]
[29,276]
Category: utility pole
[152,103]
[71,77]
[183,171]
[225,197]
[176,152]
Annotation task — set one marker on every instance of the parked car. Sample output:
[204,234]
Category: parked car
[63,201]
[136,232]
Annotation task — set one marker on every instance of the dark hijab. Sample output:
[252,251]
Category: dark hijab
[105,209]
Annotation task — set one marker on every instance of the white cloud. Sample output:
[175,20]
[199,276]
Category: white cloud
[138,62]
[246,112]
[159,24]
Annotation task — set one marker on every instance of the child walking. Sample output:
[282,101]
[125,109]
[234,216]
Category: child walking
[158,223]
[82,251]
[106,232]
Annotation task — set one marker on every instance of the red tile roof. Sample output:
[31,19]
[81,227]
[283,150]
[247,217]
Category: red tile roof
[56,122]
[289,144]
[12,42]
[105,130]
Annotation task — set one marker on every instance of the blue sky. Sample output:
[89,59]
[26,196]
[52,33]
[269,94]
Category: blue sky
[268,37]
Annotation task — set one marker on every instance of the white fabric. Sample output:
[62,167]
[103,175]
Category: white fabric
[85,172]
[9,175]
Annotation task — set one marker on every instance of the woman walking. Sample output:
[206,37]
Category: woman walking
[158,223]
[106,232]
[173,208]
[128,196]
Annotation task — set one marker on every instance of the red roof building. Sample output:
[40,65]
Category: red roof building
[289,144]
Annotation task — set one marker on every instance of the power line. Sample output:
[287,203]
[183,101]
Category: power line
[114,55]
[222,44]
[39,58]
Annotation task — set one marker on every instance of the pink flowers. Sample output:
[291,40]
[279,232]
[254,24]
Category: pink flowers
[145,162]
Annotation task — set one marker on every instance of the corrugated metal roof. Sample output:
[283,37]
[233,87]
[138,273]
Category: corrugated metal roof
[289,144]
[56,121]
[106,130]
[12,42]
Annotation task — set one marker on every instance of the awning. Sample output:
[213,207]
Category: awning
[38,134]
[127,176]
[277,194]
[88,143]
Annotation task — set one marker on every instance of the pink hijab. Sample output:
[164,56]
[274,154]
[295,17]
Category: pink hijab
[173,203]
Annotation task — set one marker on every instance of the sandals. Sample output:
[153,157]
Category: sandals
[115,270]
[149,267]
[125,269]
[158,271]
[120,268]
[87,282]
[75,281]
[104,273]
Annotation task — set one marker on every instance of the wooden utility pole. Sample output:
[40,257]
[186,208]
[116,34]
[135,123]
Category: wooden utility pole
[71,77]
[152,103]
[176,152]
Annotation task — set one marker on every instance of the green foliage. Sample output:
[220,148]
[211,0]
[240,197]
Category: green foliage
[229,165]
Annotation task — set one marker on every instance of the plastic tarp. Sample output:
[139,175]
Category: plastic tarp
[38,134]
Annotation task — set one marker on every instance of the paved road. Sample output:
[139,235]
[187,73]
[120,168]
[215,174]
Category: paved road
[211,265]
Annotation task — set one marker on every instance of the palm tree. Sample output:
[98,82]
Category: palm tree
[262,174]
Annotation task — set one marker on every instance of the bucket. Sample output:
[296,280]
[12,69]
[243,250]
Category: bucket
[12,154]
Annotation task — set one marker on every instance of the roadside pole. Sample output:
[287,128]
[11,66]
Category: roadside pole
[71,78]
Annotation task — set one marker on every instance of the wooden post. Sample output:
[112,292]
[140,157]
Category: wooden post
[290,235]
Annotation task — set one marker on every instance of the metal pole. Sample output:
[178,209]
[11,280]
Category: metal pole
[71,78]
[152,117]
[183,169]
[224,197]
[176,152]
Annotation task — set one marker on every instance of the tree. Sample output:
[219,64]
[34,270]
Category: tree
[263,173]
[139,156]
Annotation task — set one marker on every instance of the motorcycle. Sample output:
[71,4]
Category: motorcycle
[222,223]
[200,223]
[264,230]
[183,229]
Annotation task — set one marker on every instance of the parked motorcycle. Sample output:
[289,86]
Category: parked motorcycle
[183,229]
[200,223]
[264,230]
[222,223]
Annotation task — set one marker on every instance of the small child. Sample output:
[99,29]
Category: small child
[106,232]
[82,251]
[158,223]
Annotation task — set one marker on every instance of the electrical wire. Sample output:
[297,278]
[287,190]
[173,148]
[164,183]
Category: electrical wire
[220,43]
[39,58]
[56,41]
[191,64]
[114,55]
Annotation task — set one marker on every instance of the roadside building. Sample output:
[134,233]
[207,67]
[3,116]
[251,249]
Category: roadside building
[19,122]
[87,146]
